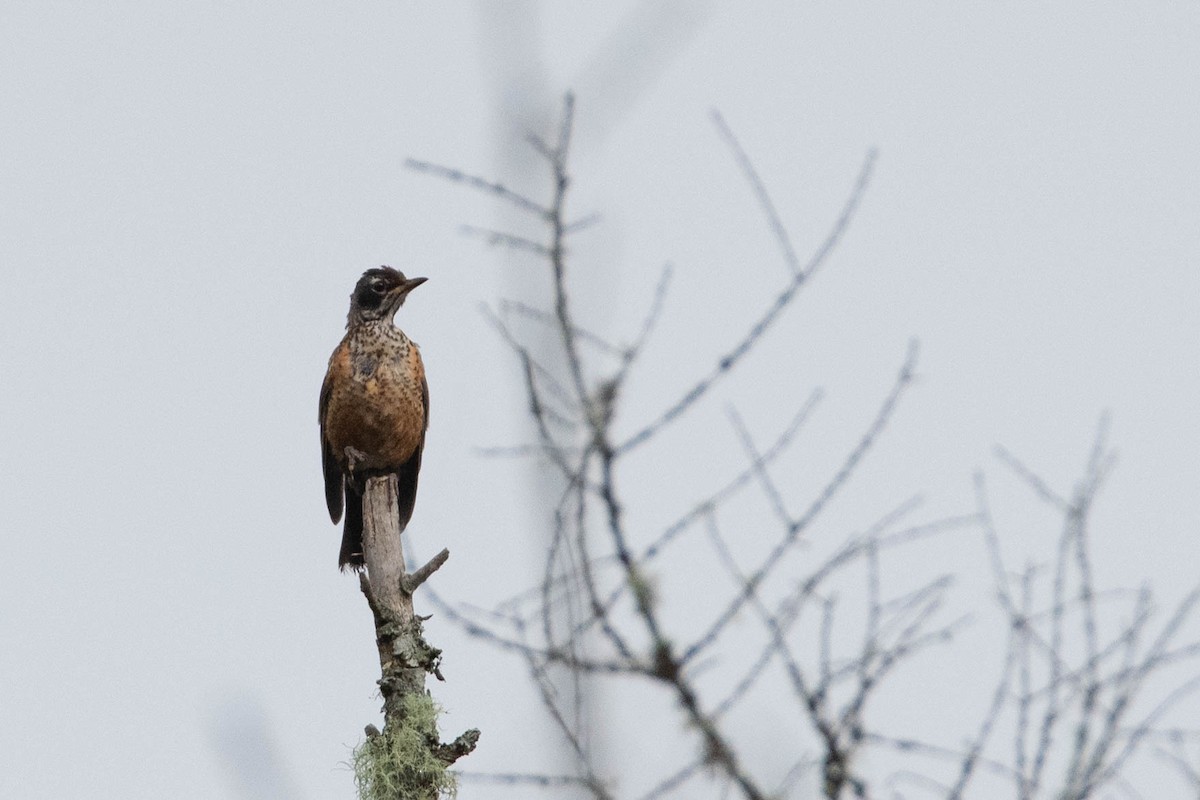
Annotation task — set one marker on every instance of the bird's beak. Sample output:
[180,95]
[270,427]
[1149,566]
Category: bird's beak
[410,284]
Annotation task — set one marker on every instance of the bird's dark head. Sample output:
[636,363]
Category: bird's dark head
[379,293]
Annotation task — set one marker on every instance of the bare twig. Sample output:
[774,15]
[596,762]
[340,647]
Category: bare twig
[413,580]
[502,239]
[481,184]
[547,318]
[784,299]
[797,526]
[778,230]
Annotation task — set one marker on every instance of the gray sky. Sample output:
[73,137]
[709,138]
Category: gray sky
[189,190]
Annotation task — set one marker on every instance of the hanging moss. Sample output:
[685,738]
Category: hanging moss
[399,763]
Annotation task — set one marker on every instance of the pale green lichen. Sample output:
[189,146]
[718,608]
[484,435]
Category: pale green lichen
[399,764]
[643,590]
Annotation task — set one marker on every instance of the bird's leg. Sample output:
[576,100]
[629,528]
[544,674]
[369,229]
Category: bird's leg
[353,457]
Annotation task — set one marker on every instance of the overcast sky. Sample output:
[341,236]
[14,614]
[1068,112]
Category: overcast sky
[188,192]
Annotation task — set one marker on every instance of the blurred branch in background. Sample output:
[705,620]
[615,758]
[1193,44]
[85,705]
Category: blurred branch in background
[597,614]
[612,74]
[1077,661]
[1081,707]
[240,734]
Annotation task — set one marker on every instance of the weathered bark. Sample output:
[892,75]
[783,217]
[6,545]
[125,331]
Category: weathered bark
[404,655]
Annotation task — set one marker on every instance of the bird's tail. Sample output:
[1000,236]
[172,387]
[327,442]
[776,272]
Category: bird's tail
[351,555]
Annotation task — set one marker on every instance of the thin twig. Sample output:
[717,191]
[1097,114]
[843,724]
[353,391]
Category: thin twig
[475,182]
[778,230]
[496,238]
[413,580]
[773,559]
[782,301]
[545,317]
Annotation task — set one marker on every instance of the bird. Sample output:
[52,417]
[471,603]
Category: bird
[374,407]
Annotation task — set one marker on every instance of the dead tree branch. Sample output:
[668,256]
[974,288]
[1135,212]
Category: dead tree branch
[406,759]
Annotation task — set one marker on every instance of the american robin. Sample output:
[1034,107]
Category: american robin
[374,407]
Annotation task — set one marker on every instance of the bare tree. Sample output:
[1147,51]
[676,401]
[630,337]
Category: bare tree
[597,613]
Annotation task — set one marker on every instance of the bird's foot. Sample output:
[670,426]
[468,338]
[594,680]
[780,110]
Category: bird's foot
[354,457]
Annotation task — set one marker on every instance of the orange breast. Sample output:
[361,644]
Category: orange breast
[375,404]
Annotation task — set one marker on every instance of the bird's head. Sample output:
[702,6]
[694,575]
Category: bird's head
[379,293]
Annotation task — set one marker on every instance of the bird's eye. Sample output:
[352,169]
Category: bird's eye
[378,287]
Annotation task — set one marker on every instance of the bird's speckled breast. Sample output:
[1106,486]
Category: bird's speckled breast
[377,406]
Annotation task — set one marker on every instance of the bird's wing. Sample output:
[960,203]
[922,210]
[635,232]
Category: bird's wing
[406,476]
[425,403]
[329,465]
